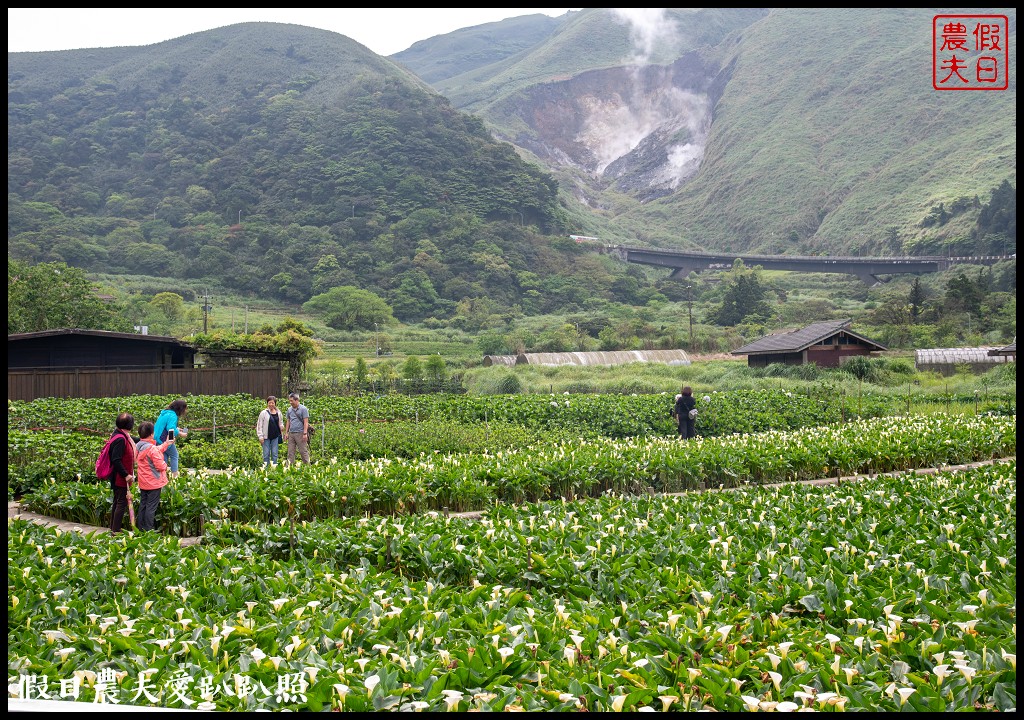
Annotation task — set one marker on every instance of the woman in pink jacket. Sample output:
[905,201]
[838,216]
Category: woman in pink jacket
[152,474]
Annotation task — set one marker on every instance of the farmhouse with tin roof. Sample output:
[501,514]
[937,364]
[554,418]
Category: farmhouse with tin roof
[826,344]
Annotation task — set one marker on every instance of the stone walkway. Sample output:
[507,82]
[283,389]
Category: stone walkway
[14,509]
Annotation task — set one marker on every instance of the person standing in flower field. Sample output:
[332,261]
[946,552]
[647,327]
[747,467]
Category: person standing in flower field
[685,412]
[122,462]
[152,474]
[167,425]
[298,429]
[270,430]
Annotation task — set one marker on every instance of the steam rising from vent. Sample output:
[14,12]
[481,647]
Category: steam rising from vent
[646,27]
[640,127]
[617,126]
[683,162]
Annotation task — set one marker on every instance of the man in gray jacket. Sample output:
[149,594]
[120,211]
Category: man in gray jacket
[298,429]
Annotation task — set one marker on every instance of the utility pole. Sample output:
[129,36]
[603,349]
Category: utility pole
[206,311]
[689,311]
[246,319]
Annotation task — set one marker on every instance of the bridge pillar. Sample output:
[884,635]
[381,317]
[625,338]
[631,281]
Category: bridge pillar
[686,268]
[682,273]
[867,278]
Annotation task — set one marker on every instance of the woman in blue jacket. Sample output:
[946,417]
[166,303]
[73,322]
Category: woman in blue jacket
[166,423]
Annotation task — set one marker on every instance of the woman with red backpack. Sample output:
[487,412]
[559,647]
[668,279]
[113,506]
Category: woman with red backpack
[121,453]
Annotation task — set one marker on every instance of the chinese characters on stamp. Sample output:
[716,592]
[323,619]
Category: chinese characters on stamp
[970,52]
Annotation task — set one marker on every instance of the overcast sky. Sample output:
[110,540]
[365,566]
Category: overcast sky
[385,32]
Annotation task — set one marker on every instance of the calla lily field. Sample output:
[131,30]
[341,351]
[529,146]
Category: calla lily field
[611,568]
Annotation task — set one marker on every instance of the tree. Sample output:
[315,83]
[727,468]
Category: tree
[49,296]
[474,314]
[298,326]
[415,297]
[916,300]
[743,297]
[491,342]
[964,294]
[172,305]
[360,372]
[412,368]
[892,238]
[893,309]
[998,217]
[519,339]
[385,372]
[436,369]
[327,273]
[349,308]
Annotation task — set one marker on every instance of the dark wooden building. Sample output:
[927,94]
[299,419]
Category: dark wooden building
[1009,351]
[826,344]
[80,349]
[98,363]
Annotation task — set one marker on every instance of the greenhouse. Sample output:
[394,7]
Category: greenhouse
[619,357]
[490,360]
[946,361]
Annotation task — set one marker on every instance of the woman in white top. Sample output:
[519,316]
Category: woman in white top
[269,430]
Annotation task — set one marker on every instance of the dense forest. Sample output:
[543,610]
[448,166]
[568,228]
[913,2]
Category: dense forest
[259,187]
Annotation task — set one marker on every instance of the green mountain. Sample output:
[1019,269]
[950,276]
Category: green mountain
[439,58]
[282,161]
[782,130]
[272,159]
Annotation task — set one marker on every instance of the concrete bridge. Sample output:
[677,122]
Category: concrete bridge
[867,269]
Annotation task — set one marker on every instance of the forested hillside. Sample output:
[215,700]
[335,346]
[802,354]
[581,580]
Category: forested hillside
[281,161]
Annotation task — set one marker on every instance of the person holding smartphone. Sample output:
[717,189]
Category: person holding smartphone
[166,426]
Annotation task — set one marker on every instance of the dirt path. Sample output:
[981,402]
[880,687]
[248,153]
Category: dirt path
[14,509]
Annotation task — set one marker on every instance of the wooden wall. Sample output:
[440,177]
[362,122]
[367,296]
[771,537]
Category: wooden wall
[32,384]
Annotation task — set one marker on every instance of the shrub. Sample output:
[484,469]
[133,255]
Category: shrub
[579,386]
[510,384]
[900,366]
[809,371]
[861,368]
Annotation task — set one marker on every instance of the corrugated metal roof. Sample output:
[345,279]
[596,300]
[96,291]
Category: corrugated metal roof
[616,357]
[798,340]
[490,360]
[1010,349]
[103,334]
[953,356]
